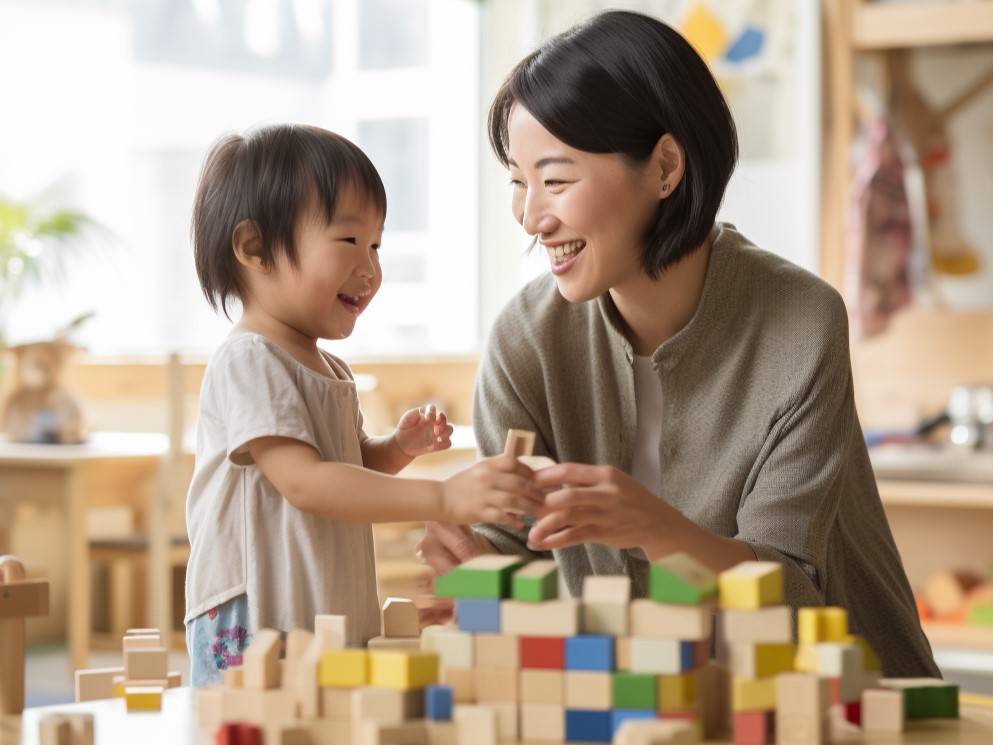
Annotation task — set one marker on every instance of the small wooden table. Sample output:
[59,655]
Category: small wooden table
[112,468]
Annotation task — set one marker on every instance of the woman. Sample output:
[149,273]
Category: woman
[709,380]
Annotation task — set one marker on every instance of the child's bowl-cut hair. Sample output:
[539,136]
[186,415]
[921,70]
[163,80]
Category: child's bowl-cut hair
[616,84]
[272,175]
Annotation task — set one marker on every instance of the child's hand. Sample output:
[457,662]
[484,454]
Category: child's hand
[495,490]
[423,430]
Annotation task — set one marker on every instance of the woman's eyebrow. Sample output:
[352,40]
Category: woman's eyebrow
[559,160]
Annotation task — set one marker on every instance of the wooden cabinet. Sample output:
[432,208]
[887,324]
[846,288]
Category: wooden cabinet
[906,373]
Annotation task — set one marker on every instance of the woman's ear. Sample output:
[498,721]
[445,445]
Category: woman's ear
[246,242]
[670,158]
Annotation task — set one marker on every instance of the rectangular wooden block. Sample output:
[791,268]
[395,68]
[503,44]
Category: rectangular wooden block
[646,732]
[496,685]
[546,687]
[344,668]
[751,585]
[829,624]
[882,710]
[146,664]
[542,652]
[96,683]
[143,698]
[497,651]
[478,615]
[542,722]
[547,618]
[670,620]
[454,648]
[261,660]
[754,728]
[403,670]
[661,656]
[377,705]
[771,625]
[331,630]
[405,733]
[486,576]
[463,683]
[606,589]
[142,641]
[475,724]
[336,703]
[678,692]
[681,579]
[749,694]
[761,660]
[802,702]
[605,618]
[378,643]
[634,691]
[588,690]
[537,581]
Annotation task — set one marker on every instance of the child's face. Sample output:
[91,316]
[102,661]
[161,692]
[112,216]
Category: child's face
[338,272]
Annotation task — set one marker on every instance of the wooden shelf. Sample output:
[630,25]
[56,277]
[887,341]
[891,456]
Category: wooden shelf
[935,494]
[959,636]
[926,23]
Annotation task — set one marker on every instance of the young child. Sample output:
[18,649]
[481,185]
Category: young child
[287,221]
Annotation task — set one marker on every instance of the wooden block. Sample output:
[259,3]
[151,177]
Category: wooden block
[298,641]
[261,660]
[587,690]
[209,706]
[400,618]
[377,705]
[141,641]
[605,618]
[323,731]
[542,652]
[546,687]
[548,618]
[681,579]
[463,683]
[405,733]
[678,692]
[751,585]
[475,724]
[882,710]
[486,576]
[815,625]
[174,679]
[761,660]
[54,729]
[870,661]
[661,656]
[590,652]
[81,727]
[96,683]
[143,698]
[634,691]
[749,694]
[144,632]
[287,733]
[238,733]
[24,598]
[441,733]
[714,694]
[403,670]
[606,589]
[926,697]
[497,651]
[802,701]
[519,442]
[410,643]
[771,625]
[336,703]
[839,660]
[659,732]
[234,677]
[146,664]
[496,685]
[622,652]
[258,705]
[478,615]
[670,620]
[344,668]
[537,581]
[542,722]
[454,648]
[304,676]
[754,728]
[438,702]
[332,631]
[507,719]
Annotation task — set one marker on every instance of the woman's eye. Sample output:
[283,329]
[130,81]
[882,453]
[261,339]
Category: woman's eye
[517,183]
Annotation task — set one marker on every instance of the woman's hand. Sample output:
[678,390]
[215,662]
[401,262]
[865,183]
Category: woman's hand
[599,504]
[423,430]
[445,545]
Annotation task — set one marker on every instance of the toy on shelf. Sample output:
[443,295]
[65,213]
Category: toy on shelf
[20,598]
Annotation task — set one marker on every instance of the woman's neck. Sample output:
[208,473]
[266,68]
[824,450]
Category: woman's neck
[655,311]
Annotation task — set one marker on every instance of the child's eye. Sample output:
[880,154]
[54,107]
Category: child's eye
[551,183]
[376,247]
[349,240]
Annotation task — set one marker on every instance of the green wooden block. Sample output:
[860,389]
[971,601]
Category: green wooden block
[926,698]
[681,579]
[634,691]
[538,581]
[486,576]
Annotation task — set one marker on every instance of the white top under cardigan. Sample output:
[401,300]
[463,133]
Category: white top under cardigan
[245,536]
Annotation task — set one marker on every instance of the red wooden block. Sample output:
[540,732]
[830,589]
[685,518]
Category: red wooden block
[853,712]
[239,734]
[754,727]
[543,652]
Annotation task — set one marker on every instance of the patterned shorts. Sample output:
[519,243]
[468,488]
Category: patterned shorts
[217,639]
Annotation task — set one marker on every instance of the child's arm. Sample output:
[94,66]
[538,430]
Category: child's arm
[420,431]
[495,490]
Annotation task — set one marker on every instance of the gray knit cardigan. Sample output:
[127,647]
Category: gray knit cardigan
[760,437]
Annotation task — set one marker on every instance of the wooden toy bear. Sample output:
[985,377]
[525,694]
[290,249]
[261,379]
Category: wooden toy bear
[38,408]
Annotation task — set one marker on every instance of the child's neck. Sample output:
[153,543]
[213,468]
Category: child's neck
[302,348]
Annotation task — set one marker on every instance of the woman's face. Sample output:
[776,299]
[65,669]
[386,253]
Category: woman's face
[591,212]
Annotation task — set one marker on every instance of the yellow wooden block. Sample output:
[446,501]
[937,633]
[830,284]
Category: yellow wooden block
[806,658]
[402,670]
[749,694]
[762,660]
[870,661]
[677,692]
[143,698]
[822,625]
[343,668]
[751,585]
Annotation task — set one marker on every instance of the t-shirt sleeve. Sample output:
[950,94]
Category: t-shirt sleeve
[259,397]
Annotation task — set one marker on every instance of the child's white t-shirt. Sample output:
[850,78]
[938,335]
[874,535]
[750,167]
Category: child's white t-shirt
[244,536]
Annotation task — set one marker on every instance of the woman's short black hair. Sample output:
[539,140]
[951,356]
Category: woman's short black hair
[615,84]
[272,175]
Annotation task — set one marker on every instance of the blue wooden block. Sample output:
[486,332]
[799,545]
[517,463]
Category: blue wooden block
[438,702]
[589,652]
[478,615]
[617,716]
[583,725]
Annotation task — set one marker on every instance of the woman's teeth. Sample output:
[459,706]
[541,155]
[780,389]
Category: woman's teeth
[564,252]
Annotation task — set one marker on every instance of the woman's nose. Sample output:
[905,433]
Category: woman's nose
[536,217]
